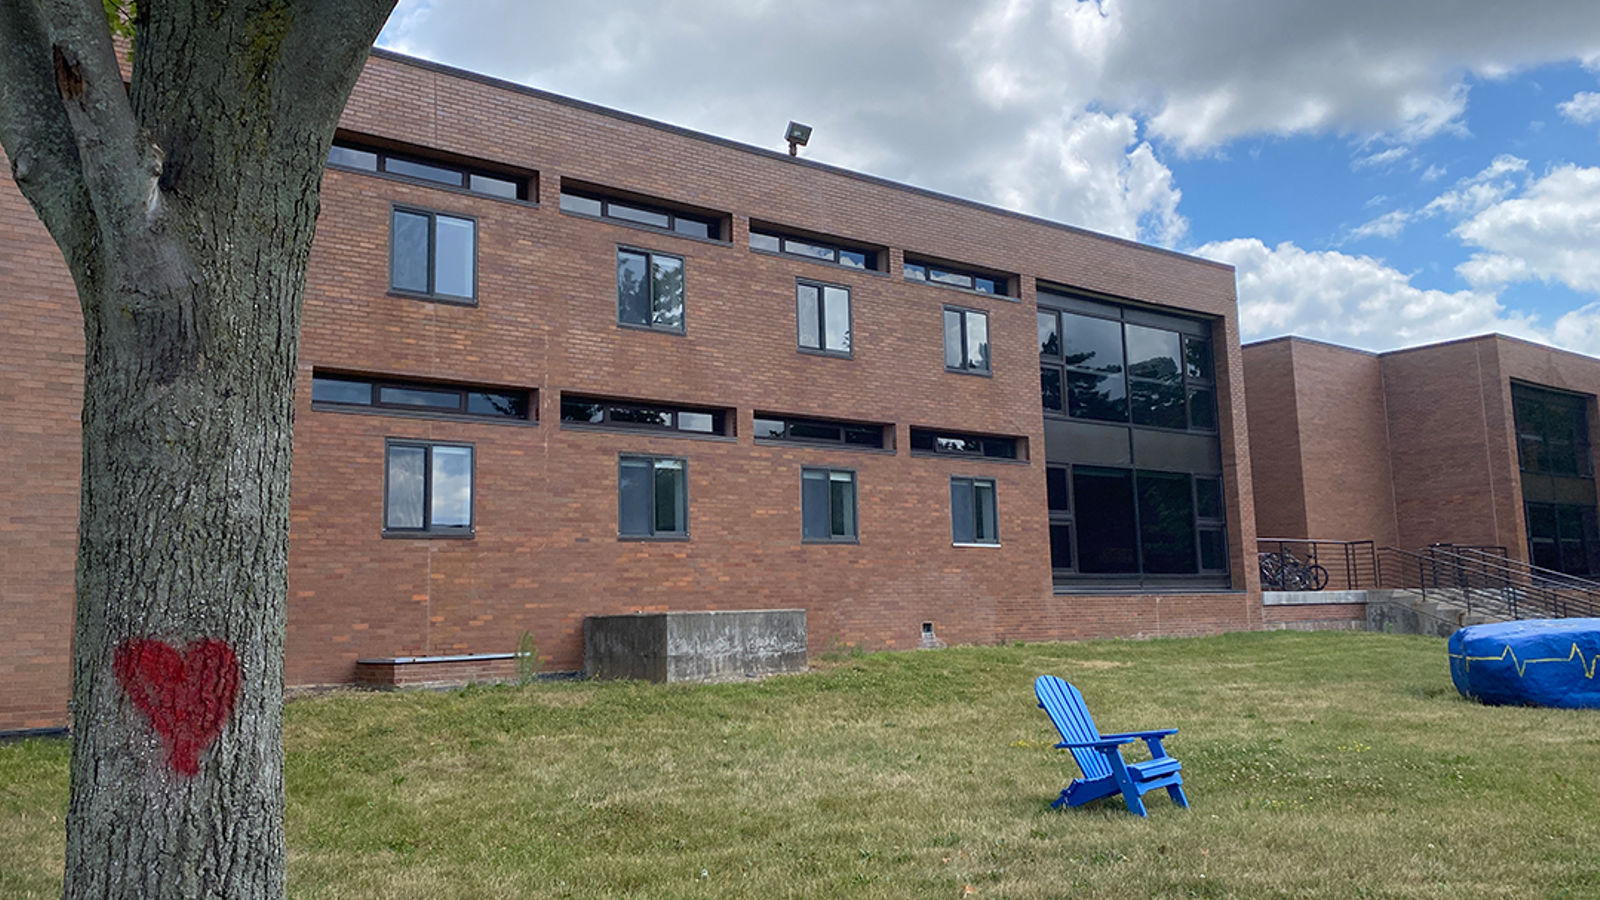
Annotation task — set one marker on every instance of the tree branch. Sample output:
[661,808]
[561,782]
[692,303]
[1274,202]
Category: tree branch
[36,134]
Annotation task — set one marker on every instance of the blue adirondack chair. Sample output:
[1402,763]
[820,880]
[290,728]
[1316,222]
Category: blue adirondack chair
[1100,755]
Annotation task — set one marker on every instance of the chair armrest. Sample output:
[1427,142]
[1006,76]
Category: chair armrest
[1106,742]
[1142,735]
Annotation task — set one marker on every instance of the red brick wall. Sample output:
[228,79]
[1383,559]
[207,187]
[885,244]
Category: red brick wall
[1269,377]
[545,552]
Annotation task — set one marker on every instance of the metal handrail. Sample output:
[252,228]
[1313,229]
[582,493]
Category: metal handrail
[1350,565]
[1489,581]
[1575,582]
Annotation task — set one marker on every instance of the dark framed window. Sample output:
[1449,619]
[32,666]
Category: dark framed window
[351,155]
[992,446]
[433,255]
[966,340]
[828,505]
[606,412]
[641,212]
[1094,366]
[649,290]
[1135,524]
[652,497]
[818,249]
[332,391]
[822,314]
[427,488]
[1552,431]
[949,276]
[865,435]
[973,511]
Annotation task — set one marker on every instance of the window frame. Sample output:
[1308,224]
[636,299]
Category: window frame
[972,483]
[1074,579]
[674,411]
[855,505]
[375,404]
[654,535]
[428,529]
[965,312]
[1018,444]
[649,263]
[822,319]
[973,275]
[714,223]
[1188,386]
[432,293]
[885,432]
[872,257]
[526,183]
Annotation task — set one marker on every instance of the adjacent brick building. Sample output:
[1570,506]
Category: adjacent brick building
[619,366]
[1484,441]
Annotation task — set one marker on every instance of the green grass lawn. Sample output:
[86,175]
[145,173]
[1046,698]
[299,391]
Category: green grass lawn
[1340,765]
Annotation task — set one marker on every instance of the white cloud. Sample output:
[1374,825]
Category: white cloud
[1354,300]
[1434,173]
[1388,225]
[1583,108]
[1380,158]
[1550,233]
[1470,195]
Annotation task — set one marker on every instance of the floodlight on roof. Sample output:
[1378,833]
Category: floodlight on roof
[798,136]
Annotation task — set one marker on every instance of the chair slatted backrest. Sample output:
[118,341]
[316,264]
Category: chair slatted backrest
[1065,706]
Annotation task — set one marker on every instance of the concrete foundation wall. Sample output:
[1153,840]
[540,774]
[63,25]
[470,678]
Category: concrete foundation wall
[719,645]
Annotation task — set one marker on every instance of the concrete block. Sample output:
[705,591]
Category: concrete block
[713,645]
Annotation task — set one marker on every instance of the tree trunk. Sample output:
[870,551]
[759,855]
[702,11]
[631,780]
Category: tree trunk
[185,206]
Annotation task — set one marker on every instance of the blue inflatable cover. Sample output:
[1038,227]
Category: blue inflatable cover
[1539,662]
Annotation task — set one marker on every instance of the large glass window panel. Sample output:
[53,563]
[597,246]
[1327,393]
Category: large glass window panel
[414,169]
[1049,335]
[452,487]
[989,285]
[915,272]
[977,341]
[962,515]
[420,397]
[769,242]
[1208,498]
[641,415]
[355,159]
[842,504]
[1197,358]
[692,227]
[407,488]
[1055,482]
[1107,535]
[866,436]
[637,214]
[1213,550]
[855,259]
[409,251]
[1166,523]
[633,288]
[1153,353]
[1097,396]
[1050,388]
[952,340]
[1091,343]
[808,301]
[1157,403]
[1202,408]
[666,276]
[768,428]
[634,492]
[704,423]
[985,528]
[494,187]
[672,497]
[805,248]
[587,206]
[455,255]
[814,514]
[837,318]
[483,403]
[814,431]
[1542,521]
[338,390]
[1060,545]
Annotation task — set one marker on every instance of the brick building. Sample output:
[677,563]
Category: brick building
[560,361]
[1481,442]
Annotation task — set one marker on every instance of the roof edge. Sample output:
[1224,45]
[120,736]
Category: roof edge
[773,155]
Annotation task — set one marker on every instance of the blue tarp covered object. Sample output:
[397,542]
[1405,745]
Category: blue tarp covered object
[1539,662]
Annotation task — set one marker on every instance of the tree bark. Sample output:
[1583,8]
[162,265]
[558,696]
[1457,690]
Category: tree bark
[185,208]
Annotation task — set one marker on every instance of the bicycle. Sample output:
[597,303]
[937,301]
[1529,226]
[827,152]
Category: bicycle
[1286,572]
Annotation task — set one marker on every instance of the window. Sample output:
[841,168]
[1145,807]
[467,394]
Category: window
[972,511]
[649,290]
[651,215]
[937,273]
[333,391]
[433,255]
[819,431]
[605,412]
[1127,522]
[823,316]
[822,249]
[966,340]
[1552,431]
[652,497]
[927,440]
[427,489]
[828,505]
[1095,367]
[348,155]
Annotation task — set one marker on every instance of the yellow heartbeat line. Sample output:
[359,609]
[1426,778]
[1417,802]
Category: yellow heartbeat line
[1588,664]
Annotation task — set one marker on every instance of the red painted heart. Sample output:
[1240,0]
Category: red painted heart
[187,696]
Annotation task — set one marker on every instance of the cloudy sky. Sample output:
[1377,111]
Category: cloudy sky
[1381,172]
